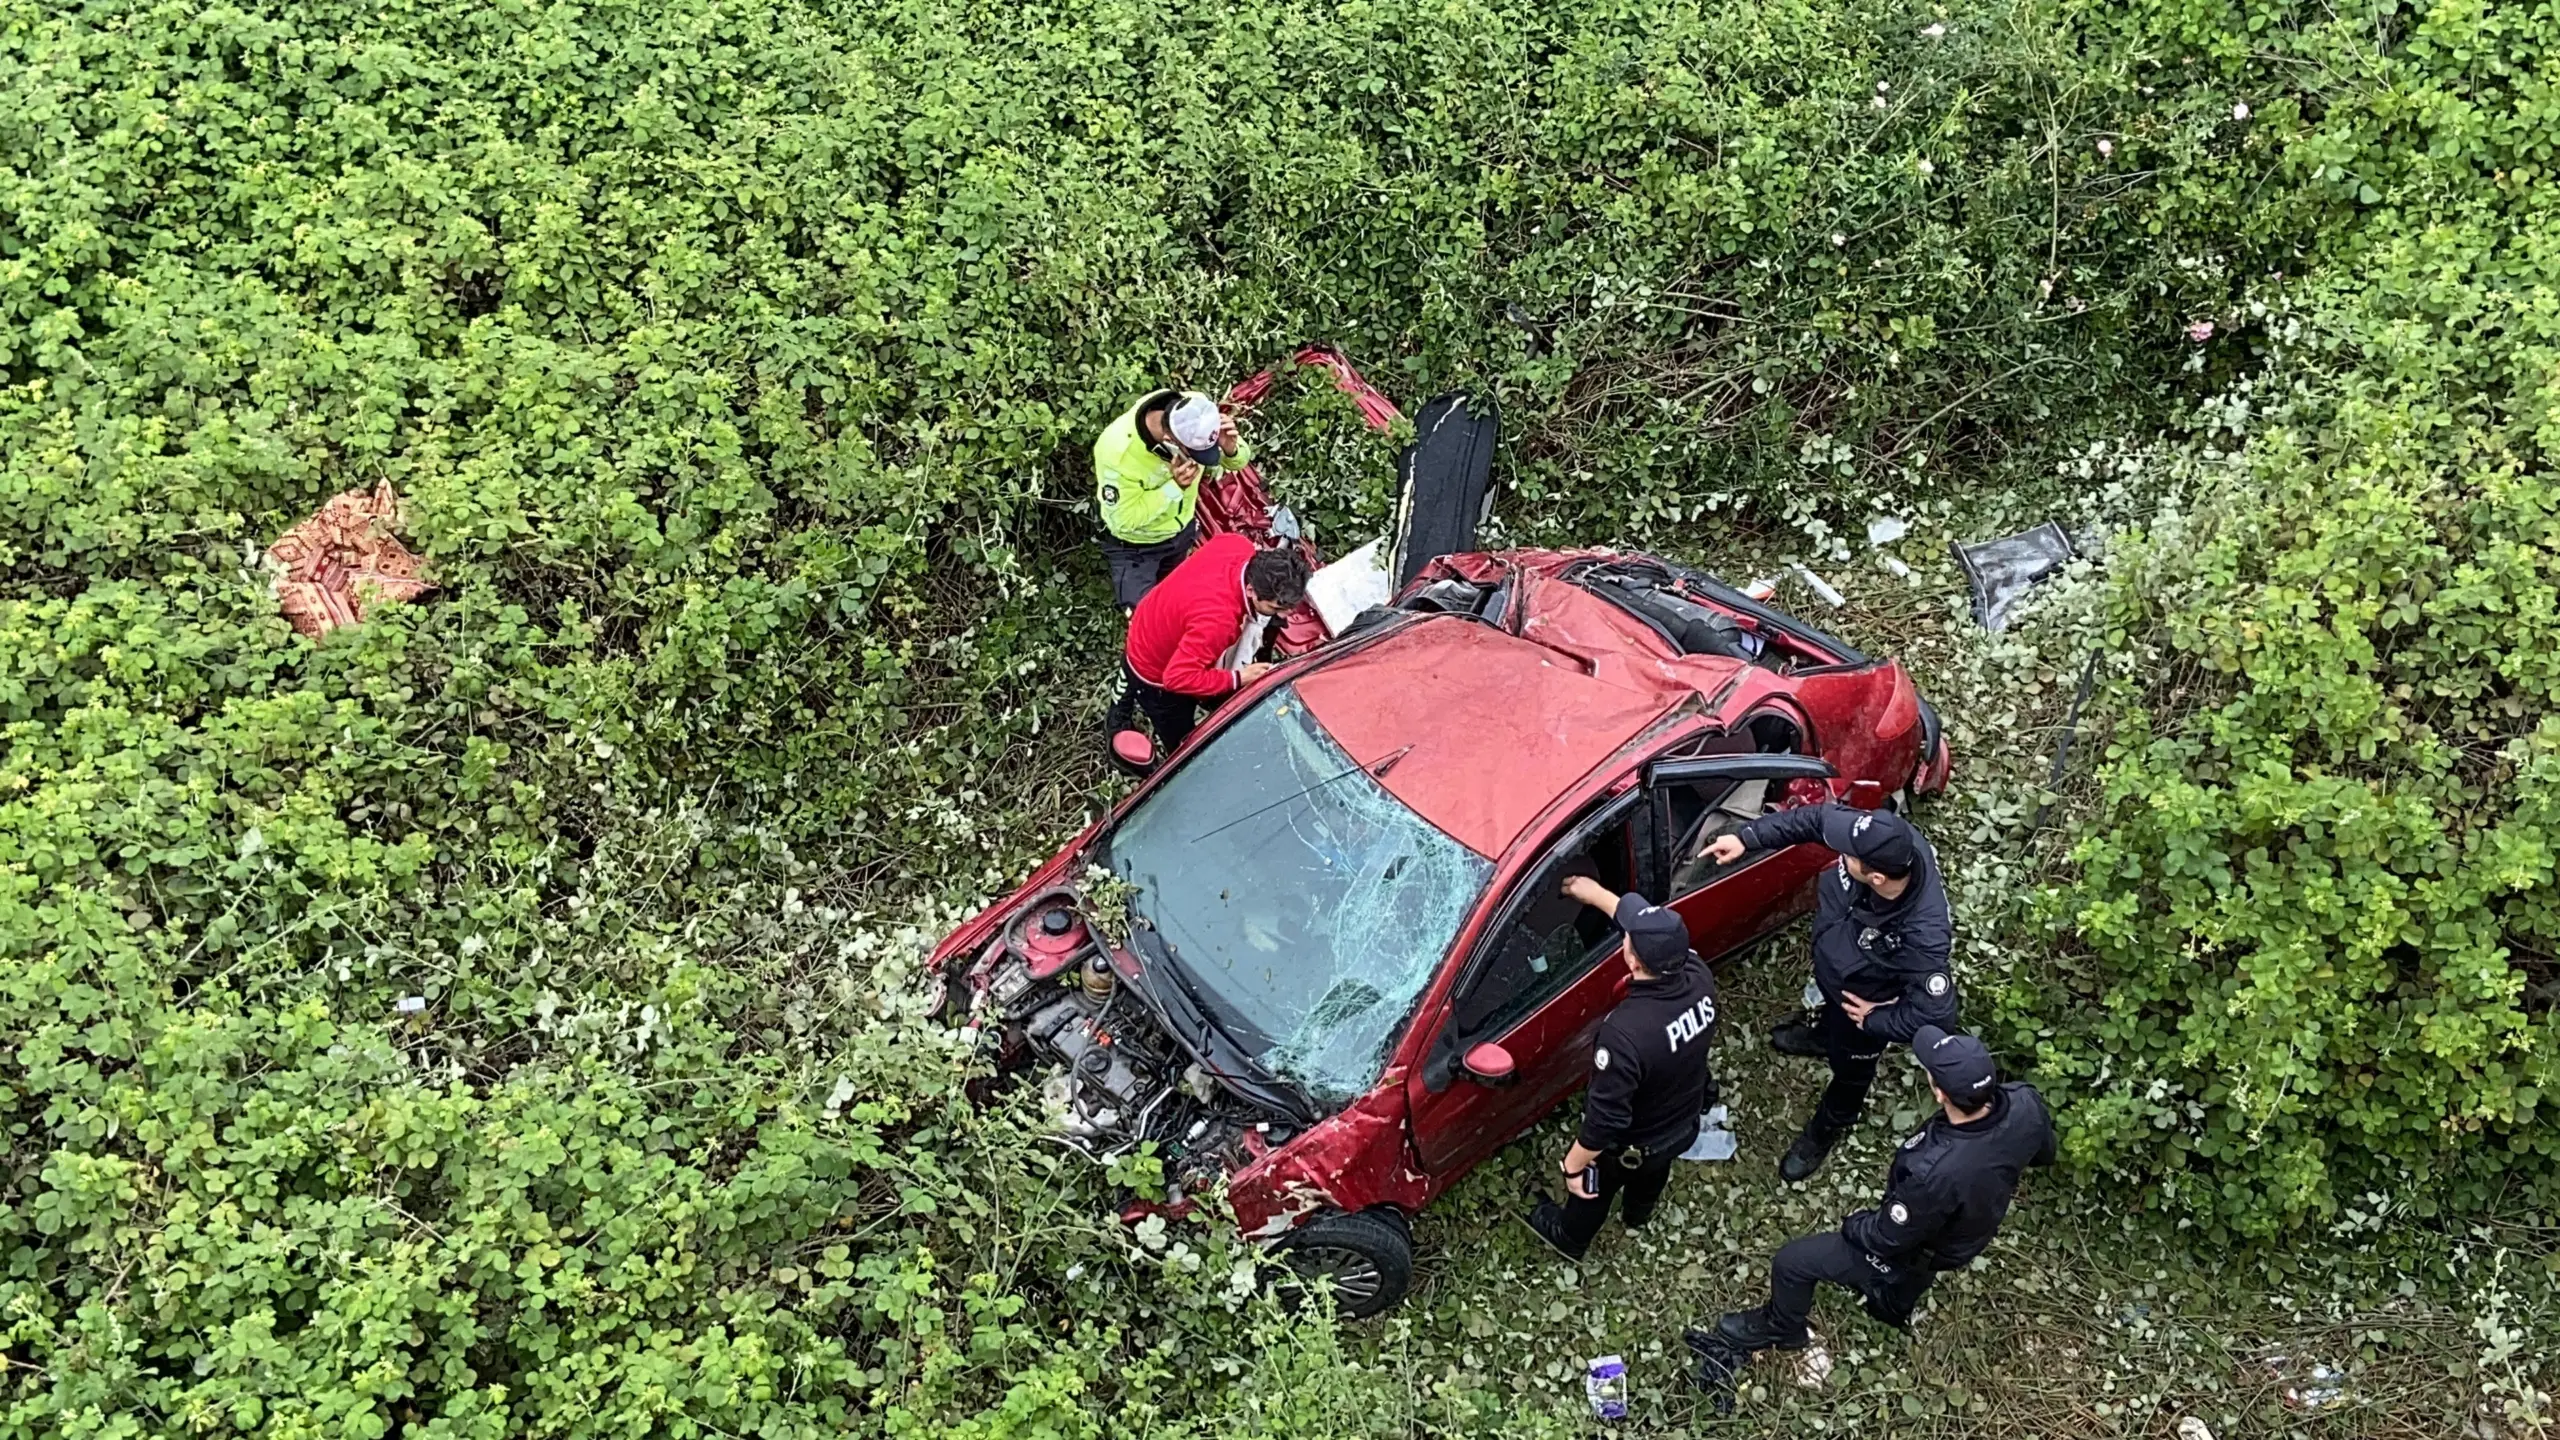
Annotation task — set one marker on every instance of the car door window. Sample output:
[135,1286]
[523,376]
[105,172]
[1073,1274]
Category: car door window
[1701,810]
[1547,940]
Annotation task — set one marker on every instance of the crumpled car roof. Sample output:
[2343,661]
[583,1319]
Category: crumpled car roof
[1495,726]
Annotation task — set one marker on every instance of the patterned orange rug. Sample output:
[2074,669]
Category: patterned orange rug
[343,561]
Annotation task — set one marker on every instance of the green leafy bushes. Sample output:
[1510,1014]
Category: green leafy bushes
[2319,894]
[736,360]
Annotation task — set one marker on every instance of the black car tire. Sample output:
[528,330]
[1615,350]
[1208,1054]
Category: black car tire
[1367,1255]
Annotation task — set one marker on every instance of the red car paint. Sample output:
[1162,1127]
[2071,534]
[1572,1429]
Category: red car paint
[1507,736]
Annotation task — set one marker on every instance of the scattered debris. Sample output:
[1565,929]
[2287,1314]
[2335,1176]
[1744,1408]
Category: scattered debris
[343,561]
[2191,1428]
[1605,1384]
[2317,1386]
[1813,1365]
[1716,1140]
[1820,587]
[1344,588]
[411,1005]
[1883,530]
[2326,1387]
[2062,745]
[2000,571]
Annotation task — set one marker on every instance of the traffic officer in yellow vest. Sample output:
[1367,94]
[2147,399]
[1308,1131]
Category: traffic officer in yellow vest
[1146,471]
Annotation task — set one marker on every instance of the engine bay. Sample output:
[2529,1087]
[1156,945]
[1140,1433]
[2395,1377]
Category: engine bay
[1060,996]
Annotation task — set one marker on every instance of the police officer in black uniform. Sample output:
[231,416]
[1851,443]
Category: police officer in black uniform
[1949,1190]
[1649,1077]
[1880,938]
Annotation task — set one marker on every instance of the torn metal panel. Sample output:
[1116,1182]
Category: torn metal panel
[1354,1161]
[2001,572]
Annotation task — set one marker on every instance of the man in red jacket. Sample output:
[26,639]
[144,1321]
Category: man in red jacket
[1184,637]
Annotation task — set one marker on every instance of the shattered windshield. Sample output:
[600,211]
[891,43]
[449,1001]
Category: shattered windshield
[1306,905]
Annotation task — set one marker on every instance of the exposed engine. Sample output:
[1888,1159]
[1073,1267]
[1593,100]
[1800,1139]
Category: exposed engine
[1116,1079]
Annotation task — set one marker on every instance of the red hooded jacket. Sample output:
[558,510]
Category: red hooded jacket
[1185,625]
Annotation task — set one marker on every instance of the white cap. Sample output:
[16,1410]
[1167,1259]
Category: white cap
[1194,420]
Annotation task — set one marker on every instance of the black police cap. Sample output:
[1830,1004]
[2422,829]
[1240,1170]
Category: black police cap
[1960,1064]
[1660,936]
[1884,841]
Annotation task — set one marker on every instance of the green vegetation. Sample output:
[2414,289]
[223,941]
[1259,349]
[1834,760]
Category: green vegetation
[735,362]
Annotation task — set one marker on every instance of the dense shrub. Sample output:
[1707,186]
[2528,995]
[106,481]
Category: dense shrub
[735,361]
[2319,893]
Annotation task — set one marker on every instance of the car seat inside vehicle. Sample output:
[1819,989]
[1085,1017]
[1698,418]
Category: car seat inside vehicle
[1701,810]
[1741,801]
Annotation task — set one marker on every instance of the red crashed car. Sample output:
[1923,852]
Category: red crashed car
[1348,975]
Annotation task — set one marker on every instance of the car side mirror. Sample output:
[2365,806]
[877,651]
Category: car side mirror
[1865,795]
[1489,1064]
[1133,753]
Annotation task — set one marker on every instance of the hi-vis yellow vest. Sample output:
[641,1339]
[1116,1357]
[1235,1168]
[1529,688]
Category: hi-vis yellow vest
[1133,483]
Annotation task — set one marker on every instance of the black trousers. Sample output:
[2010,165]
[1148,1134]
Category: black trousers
[1803,1263]
[1135,569]
[1172,716]
[1853,1054]
[1640,1187]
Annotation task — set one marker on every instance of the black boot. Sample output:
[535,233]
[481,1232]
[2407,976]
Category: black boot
[1752,1331]
[1811,1148]
[1548,1223]
[1898,1319]
[1800,1037]
[1720,1366]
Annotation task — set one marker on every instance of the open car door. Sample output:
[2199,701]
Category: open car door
[1444,482]
[1697,800]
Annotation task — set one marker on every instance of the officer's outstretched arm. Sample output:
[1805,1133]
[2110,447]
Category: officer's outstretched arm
[1800,826]
[1903,1226]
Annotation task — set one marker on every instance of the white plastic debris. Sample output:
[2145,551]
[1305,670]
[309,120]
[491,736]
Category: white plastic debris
[1820,587]
[411,1005]
[1341,590]
[1813,1365]
[1761,589]
[2192,1428]
[1812,996]
[1885,529]
[2318,1385]
[1716,1140]
[2325,1386]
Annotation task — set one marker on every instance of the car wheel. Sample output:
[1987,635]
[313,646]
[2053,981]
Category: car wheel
[1368,1256]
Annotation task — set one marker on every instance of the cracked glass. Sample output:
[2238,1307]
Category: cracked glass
[1304,905]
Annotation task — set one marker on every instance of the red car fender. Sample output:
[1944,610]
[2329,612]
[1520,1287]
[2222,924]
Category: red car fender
[972,937]
[1358,1159]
